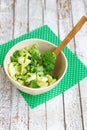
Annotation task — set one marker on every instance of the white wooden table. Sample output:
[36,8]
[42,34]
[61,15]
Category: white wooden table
[67,111]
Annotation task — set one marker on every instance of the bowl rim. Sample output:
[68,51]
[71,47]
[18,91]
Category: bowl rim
[23,86]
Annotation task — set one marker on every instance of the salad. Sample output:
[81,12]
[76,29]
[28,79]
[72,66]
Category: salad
[31,68]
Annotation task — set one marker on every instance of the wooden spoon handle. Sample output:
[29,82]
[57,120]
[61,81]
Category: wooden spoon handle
[70,35]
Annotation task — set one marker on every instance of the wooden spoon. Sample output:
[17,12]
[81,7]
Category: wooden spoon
[70,35]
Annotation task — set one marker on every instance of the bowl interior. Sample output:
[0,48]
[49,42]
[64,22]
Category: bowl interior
[61,62]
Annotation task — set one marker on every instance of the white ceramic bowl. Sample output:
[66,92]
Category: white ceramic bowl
[59,70]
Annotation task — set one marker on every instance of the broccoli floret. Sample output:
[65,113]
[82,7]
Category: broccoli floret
[34,84]
[39,69]
[48,60]
[22,77]
[16,53]
[15,56]
[34,52]
[13,59]
[34,49]
[34,58]
[33,68]
[23,52]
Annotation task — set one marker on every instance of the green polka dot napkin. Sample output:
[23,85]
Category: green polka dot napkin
[76,69]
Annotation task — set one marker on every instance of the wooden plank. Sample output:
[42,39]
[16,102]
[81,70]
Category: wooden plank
[37,118]
[5,102]
[71,97]
[19,114]
[85,4]
[35,14]
[20,17]
[81,50]
[6,28]
[50,15]
[55,117]
[65,21]
[6,20]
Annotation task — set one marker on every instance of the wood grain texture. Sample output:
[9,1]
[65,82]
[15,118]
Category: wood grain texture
[71,97]
[6,31]
[81,51]
[50,15]
[37,117]
[19,108]
[6,20]
[63,9]
[55,117]
[85,4]
[35,14]
[67,111]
